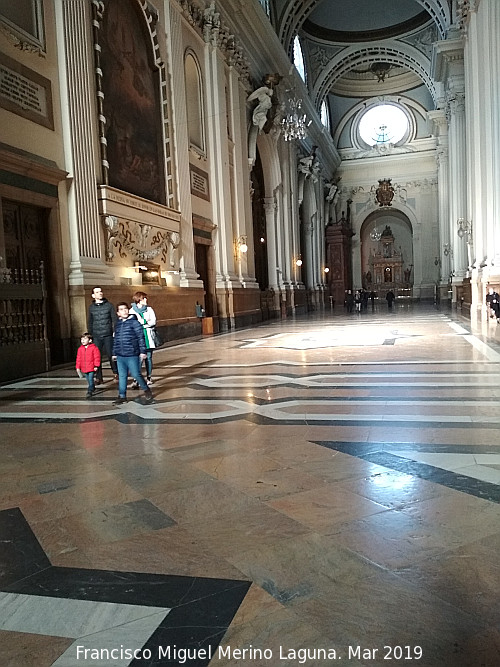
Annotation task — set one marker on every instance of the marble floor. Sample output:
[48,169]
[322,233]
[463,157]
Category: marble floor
[311,491]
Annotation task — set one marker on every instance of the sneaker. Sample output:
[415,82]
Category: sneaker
[90,394]
[135,385]
[120,400]
[147,399]
[149,382]
[115,377]
[98,381]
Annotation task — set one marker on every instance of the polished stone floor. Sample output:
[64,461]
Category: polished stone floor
[312,491]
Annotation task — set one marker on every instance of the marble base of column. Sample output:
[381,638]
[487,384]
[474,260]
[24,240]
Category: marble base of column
[87,271]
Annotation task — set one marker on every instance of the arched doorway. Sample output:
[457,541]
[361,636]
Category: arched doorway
[387,252]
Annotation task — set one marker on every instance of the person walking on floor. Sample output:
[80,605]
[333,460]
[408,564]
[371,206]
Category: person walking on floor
[129,350]
[147,318]
[101,322]
[349,301]
[390,296]
[88,360]
[493,301]
[358,300]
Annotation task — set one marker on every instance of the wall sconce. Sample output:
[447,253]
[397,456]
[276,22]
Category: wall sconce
[464,228]
[437,261]
[139,267]
[240,246]
[298,261]
[262,239]
[326,269]
[242,243]
[447,250]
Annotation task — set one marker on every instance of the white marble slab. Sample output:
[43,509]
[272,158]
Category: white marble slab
[61,617]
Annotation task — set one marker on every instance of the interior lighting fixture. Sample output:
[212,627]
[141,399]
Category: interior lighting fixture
[294,123]
[241,244]
[464,228]
[298,261]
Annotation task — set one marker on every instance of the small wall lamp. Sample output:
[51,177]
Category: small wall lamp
[298,261]
[326,269]
[464,228]
[241,244]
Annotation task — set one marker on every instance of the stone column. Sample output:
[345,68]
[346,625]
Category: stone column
[188,276]
[308,241]
[440,130]
[458,181]
[272,262]
[448,68]
[78,95]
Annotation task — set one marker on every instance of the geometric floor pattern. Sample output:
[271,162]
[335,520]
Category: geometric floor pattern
[311,491]
[118,616]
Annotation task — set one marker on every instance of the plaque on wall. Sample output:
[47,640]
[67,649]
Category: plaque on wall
[25,92]
[199,182]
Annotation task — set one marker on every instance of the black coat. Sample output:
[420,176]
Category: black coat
[129,338]
[102,319]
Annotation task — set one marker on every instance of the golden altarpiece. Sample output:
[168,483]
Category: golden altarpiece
[386,265]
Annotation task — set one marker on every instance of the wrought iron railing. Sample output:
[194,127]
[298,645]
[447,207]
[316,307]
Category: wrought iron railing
[23,316]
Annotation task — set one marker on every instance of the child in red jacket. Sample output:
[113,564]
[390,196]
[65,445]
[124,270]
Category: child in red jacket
[88,360]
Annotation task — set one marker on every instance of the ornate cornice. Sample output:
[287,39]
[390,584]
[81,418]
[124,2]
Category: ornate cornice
[209,25]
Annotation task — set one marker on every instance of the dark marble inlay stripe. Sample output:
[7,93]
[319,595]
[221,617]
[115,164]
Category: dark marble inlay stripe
[130,418]
[378,454]
[21,555]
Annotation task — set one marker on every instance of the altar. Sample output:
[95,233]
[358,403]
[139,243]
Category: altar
[385,270]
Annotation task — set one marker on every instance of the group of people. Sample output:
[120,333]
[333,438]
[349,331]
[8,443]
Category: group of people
[126,336]
[359,300]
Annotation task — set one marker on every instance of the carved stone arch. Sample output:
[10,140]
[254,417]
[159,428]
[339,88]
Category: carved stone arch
[297,11]
[391,51]
[395,211]
[400,210]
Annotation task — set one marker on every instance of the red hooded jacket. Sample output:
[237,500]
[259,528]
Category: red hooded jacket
[88,358]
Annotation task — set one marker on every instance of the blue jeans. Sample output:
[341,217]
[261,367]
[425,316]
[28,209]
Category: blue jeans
[149,363]
[129,366]
[90,381]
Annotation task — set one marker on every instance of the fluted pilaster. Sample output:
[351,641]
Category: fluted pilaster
[74,22]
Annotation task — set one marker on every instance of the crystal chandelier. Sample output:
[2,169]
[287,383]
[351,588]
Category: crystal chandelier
[293,124]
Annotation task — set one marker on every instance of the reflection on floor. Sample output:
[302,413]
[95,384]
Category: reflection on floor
[306,491]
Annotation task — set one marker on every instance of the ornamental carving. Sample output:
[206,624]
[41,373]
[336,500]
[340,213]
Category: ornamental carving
[22,44]
[384,194]
[138,240]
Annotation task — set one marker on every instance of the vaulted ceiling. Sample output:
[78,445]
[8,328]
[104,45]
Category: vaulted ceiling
[359,49]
